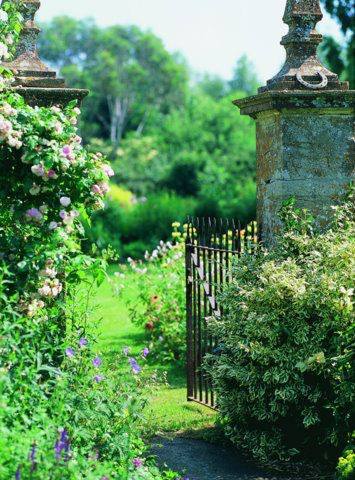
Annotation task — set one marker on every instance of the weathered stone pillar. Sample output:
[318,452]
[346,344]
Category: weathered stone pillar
[304,122]
[33,79]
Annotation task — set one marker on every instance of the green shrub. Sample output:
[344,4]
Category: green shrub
[346,465]
[285,377]
[150,222]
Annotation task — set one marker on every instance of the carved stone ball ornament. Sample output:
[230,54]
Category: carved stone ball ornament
[303,69]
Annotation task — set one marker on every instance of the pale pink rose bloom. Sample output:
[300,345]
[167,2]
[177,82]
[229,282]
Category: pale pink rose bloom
[67,150]
[108,170]
[96,189]
[51,174]
[38,170]
[53,225]
[65,201]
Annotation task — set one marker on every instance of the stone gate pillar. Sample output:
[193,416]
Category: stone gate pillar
[305,127]
[36,82]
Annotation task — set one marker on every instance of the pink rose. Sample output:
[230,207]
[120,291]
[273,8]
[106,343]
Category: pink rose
[65,201]
[108,170]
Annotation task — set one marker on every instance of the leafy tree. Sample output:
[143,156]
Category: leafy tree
[343,11]
[129,72]
[244,77]
[219,146]
[330,53]
[214,86]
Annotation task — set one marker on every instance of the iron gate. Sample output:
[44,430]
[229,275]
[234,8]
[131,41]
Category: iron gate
[211,246]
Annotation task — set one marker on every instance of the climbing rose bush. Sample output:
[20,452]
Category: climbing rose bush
[60,415]
[283,371]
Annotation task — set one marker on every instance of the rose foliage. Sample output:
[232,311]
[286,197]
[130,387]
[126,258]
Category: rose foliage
[60,414]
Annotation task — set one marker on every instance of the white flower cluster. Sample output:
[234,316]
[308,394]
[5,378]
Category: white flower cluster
[34,306]
[135,266]
[159,252]
[51,287]
[8,134]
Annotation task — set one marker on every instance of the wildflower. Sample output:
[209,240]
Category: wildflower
[65,201]
[137,463]
[145,352]
[69,352]
[32,457]
[126,351]
[134,365]
[97,362]
[18,474]
[83,342]
[149,326]
[98,378]
[62,445]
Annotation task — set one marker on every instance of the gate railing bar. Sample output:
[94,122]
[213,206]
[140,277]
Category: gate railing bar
[210,244]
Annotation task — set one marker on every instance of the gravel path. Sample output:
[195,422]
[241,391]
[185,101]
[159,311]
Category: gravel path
[199,460]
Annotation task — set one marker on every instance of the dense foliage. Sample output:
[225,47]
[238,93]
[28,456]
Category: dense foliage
[343,11]
[162,133]
[60,414]
[285,372]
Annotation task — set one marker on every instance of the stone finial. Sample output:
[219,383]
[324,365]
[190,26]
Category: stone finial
[29,70]
[303,69]
[35,80]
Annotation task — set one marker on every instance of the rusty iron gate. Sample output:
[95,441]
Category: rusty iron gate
[211,246]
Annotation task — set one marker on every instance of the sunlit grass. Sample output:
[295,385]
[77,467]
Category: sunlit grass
[168,410]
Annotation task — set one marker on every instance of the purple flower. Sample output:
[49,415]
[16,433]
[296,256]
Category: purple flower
[18,474]
[51,173]
[126,351]
[83,342]
[97,362]
[134,365]
[145,352]
[98,378]
[32,457]
[104,478]
[34,213]
[69,352]
[67,150]
[62,445]
[137,462]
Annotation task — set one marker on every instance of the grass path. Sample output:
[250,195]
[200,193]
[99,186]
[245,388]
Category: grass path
[168,411]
